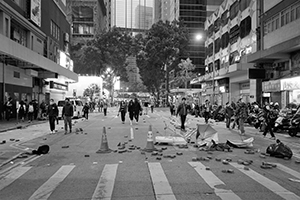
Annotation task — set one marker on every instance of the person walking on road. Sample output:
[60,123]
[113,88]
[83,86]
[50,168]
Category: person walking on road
[130,110]
[269,122]
[85,110]
[67,113]
[105,106]
[152,106]
[172,109]
[137,110]
[228,114]
[182,110]
[52,112]
[242,114]
[123,110]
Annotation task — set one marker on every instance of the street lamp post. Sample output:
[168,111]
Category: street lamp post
[213,74]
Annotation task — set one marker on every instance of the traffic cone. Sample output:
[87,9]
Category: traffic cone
[150,146]
[104,144]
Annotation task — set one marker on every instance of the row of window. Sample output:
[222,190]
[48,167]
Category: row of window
[281,19]
[54,30]
[235,32]
[231,14]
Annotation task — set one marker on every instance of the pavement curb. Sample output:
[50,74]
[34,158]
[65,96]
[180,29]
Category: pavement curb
[21,126]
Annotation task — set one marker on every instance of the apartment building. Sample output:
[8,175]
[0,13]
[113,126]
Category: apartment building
[231,35]
[279,51]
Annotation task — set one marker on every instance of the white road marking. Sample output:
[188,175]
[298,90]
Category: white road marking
[8,178]
[106,183]
[131,133]
[287,170]
[212,180]
[271,185]
[44,192]
[162,188]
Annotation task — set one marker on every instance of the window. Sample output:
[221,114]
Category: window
[244,4]
[245,27]
[234,9]
[234,34]
[224,18]
[16,74]
[225,40]
[217,45]
[6,27]
[55,30]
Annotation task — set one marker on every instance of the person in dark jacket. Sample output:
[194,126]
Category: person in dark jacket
[67,113]
[130,110]
[182,110]
[137,109]
[85,110]
[52,112]
[207,111]
[269,122]
[123,110]
[228,114]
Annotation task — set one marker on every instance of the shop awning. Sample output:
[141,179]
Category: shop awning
[11,51]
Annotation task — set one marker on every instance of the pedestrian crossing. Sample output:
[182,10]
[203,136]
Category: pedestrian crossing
[164,179]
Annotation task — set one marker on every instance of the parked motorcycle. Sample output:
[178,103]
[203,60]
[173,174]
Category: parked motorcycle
[295,124]
[284,117]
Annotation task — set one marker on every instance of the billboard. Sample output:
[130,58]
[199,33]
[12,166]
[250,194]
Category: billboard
[35,11]
[256,73]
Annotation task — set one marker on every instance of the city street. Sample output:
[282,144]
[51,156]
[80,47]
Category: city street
[73,170]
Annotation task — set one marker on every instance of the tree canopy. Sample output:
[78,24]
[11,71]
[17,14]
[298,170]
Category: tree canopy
[108,49]
[160,51]
[91,90]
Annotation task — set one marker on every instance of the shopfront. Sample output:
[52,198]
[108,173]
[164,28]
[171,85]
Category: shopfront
[292,88]
[272,92]
[222,96]
[245,91]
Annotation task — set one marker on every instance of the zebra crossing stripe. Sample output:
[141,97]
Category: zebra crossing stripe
[13,175]
[271,185]
[162,188]
[287,170]
[43,192]
[106,183]
[212,180]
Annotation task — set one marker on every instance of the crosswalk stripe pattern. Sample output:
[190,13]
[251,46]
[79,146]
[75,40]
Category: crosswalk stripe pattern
[43,192]
[162,188]
[12,176]
[131,133]
[271,185]
[212,180]
[106,183]
[287,170]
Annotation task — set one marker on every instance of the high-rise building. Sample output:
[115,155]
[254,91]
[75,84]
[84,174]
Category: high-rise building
[193,13]
[143,17]
[87,17]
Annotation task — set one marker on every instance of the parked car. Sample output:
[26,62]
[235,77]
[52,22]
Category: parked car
[77,107]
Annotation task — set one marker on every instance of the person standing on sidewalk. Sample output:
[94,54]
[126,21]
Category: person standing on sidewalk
[67,113]
[30,112]
[85,110]
[123,110]
[52,112]
[22,111]
[182,110]
[228,114]
[8,108]
[242,114]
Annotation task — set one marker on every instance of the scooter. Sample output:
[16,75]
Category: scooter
[295,124]
[283,121]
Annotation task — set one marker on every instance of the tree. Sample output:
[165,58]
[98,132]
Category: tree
[108,49]
[159,53]
[185,74]
[91,90]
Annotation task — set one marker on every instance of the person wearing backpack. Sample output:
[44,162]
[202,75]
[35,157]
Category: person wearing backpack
[30,112]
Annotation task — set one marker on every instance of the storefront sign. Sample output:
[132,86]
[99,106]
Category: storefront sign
[58,86]
[244,86]
[35,11]
[290,83]
[271,86]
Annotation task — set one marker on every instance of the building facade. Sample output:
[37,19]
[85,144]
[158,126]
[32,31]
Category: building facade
[279,51]
[143,17]
[231,36]
[25,57]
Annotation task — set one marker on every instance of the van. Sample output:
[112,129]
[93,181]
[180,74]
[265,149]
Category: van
[77,107]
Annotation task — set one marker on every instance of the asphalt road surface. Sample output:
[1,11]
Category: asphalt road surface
[73,170]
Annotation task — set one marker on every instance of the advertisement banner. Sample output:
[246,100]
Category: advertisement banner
[35,11]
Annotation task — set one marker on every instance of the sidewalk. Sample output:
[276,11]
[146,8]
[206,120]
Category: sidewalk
[13,124]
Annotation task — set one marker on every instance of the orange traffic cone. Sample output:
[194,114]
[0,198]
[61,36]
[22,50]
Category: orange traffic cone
[150,146]
[104,144]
